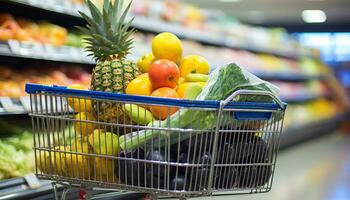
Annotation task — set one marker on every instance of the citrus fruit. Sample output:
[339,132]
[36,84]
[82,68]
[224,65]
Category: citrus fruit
[79,104]
[139,86]
[82,127]
[162,112]
[167,46]
[194,64]
[145,61]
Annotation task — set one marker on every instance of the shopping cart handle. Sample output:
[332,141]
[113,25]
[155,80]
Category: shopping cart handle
[253,92]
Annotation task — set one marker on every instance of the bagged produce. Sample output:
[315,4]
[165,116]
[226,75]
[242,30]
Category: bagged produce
[222,82]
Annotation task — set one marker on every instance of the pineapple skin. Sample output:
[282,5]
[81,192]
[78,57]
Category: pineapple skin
[112,76]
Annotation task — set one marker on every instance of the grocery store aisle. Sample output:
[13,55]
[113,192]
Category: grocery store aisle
[316,170]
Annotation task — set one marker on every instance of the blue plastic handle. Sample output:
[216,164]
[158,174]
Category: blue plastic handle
[36,88]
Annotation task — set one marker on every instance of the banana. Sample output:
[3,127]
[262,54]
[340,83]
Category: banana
[138,114]
[197,78]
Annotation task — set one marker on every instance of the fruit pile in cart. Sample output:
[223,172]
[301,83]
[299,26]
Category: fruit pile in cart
[165,146]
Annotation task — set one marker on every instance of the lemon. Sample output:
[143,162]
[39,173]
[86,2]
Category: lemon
[194,64]
[82,127]
[139,86]
[104,143]
[145,62]
[79,104]
[167,46]
[77,165]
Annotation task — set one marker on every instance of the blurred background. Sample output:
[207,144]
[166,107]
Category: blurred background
[302,46]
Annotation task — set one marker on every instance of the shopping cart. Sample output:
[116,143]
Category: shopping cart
[200,148]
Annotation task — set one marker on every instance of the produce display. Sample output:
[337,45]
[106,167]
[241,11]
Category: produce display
[12,80]
[214,24]
[313,111]
[15,143]
[27,30]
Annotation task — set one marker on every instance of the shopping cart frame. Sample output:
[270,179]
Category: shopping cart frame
[242,111]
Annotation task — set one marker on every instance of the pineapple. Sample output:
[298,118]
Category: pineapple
[109,42]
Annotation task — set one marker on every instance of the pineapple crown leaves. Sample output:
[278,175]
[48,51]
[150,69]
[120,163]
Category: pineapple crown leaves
[109,34]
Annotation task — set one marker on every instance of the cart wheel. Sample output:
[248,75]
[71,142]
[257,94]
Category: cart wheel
[82,194]
[150,197]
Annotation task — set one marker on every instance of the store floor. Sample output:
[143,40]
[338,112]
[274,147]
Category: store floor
[316,170]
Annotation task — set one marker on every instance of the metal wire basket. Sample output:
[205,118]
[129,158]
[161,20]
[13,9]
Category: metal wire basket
[199,148]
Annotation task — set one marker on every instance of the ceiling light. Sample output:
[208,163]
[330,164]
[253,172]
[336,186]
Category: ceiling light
[228,1]
[314,16]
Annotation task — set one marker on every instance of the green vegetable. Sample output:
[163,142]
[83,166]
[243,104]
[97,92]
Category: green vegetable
[138,114]
[17,157]
[222,83]
[192,91]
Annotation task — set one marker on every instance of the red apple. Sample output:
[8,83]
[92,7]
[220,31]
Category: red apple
[164,73]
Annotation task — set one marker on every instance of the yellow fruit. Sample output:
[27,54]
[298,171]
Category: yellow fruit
[181,80]
[203,84]
[104,142]
[167,46]
[145,61]
[76,165]
[79,105]
[104,169]
[194,64]
[182,88]
[82,127]
[139,86]
[42,161]
[58,161]
[145,75]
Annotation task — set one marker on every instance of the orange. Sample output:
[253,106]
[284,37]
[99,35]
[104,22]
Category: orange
[139,86]
[162,112]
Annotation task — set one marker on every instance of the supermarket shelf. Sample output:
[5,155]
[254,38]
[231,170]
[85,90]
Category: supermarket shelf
[10,106]
[20,106]
[155,26]
[301,99]
[30,50]
[298,134]
[288,76]
[58,6]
